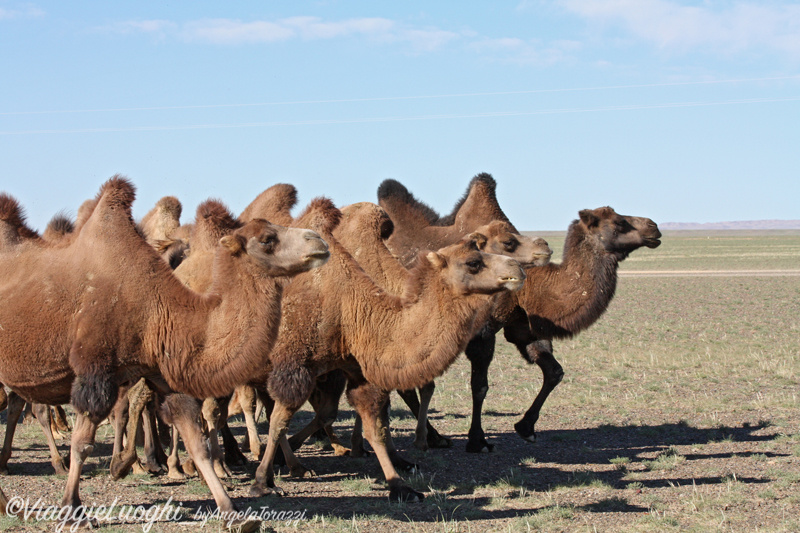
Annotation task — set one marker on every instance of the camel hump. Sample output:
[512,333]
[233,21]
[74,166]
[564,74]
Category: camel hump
[480,196]
[274,204]
[366,218]
[394,197]
[59,226]
[12,215]
[213,221]
[321,215]
[116,193]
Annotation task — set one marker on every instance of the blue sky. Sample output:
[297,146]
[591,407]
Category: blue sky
[683,111]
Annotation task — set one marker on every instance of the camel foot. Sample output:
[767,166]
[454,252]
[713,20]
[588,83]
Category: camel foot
[525,430]
[421,444]
[189,468]
[479,446]
[300,471]
[404,493]
[258,490]
[83,523]
[235,457]
[401,464]
[244,526]
[120,468]
[138,469]
[154,469]
[61,467]
[222,469]
[340,451]
[176,474]
[437,441]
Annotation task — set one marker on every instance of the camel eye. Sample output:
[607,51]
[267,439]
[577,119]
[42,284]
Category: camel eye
[511,245]
[475,266]
[269,242]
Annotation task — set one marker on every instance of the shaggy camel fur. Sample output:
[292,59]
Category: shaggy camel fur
[112,312]
[557,301]
[13,233]
[329,322]
[362,231]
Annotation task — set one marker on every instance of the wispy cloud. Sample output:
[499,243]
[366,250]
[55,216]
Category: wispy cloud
[238,32]
[532,52]
[23,11]
[720,27]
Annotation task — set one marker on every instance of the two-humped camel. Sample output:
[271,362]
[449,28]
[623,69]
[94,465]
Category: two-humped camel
[339,318]
[557,301]
[105,310]
[14,232]
[362,232]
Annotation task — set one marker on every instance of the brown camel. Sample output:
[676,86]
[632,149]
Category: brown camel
[557,301]
[329,321]
[362,231]
[114,312]
[14,232]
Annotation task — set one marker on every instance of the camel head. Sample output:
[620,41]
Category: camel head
[278,250]
[499,237]
[467,270]
[619,234]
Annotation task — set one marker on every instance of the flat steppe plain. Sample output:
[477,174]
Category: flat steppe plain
[678,412]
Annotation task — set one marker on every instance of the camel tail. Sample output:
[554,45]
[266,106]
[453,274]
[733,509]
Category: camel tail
[321,215]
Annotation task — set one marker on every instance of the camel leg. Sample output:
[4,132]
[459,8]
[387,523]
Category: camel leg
[184,414]
[3,398]
[542,354]
[247,401]
[174,470]
[264,482]
[120,415]
[233,454]
[59,422]
[325,402]
[138,396]
[154,456]
[82,445]
[370,402]
[42,414]
[15,407]
[480,352]
[3,503]
[398,460]
[431,436]
[212,414]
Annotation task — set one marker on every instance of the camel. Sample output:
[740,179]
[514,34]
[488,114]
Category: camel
[329,322]
[113,312]
[362,231]
[557,301]
[14,232]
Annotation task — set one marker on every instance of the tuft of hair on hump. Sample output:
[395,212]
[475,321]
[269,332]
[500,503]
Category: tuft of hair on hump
[484,180]
[392,191]
[171,205]
[14,215]
[321,215]
[280,198]
[214,220]
[117,192]
[60,225]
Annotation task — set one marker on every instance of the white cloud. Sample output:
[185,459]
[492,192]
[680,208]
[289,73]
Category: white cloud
[514,50]
[673,26]
[225,31]
[24,11]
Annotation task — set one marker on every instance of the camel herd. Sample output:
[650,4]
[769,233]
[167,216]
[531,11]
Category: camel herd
[159,323]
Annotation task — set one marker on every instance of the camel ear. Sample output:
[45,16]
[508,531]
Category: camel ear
[479,239]
[437,260]
[234,243]
[589,218]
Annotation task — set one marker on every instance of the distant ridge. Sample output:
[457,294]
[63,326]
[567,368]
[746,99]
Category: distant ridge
[741,224]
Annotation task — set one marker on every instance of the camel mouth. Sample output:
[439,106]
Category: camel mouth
[322,256]
[652,243]
[511,283]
